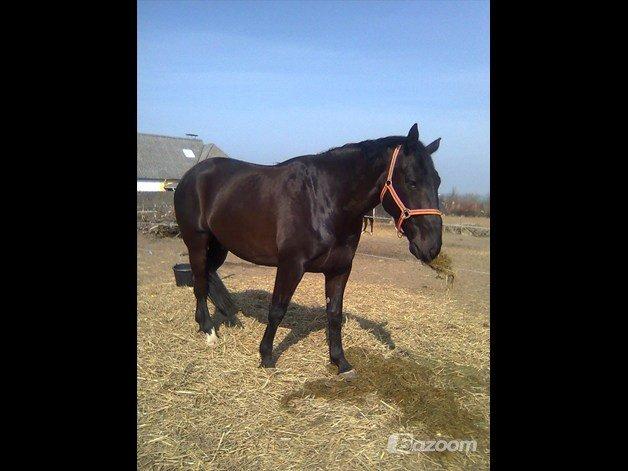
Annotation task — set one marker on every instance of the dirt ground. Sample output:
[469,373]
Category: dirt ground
[377,261]
[401,320]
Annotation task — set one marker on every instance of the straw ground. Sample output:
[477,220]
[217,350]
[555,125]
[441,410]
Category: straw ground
[420,349]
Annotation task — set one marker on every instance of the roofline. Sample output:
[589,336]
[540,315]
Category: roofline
[171,137]
[157,179]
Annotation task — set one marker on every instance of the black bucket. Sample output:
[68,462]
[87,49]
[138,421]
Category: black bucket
[183,274]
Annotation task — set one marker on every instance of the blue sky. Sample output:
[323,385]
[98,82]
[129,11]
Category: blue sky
[267,81]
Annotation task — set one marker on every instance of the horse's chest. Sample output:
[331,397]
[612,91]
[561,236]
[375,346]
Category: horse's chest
[337,257]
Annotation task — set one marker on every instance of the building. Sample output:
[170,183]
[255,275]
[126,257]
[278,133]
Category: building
[162,160]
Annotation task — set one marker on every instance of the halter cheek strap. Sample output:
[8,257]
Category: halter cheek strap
[405,212]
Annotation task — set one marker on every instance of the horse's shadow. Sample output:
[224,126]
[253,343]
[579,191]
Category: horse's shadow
[301,320]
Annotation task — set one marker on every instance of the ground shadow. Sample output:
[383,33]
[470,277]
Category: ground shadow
[301,320]
[408,385]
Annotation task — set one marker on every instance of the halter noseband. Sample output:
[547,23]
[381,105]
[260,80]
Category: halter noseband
[405,212]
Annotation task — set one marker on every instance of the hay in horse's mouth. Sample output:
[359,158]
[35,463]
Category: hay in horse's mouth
[442,264]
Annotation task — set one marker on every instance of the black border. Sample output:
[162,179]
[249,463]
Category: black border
[77,199]
[90,276]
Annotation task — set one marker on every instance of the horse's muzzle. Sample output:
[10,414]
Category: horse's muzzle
[425,255]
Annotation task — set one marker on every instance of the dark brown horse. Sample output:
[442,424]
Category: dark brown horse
[302,215]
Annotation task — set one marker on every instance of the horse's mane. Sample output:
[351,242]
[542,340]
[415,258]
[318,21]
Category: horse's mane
[368,147]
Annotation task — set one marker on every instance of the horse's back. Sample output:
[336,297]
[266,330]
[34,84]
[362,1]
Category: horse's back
[244,205]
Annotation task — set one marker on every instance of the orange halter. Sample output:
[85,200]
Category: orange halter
[405,212]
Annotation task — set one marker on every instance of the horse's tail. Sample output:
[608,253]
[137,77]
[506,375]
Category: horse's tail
[220,296]
[216,255]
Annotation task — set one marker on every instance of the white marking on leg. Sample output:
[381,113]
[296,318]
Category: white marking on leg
[211,338]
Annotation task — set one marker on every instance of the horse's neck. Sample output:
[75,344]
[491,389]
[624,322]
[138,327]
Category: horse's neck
[365,182]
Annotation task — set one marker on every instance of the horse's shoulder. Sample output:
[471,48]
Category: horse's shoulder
[295,169]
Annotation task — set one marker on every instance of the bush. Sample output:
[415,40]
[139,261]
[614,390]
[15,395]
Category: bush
[469,204]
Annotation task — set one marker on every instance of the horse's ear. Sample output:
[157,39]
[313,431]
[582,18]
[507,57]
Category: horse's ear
[412,141]
[413,135]
[433,147]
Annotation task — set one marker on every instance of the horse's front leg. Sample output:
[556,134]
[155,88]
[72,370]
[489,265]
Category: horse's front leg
[334,291]
[286,282]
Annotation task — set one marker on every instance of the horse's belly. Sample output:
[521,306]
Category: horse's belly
[253,244]
[257,257]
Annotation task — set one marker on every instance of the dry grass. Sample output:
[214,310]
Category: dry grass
[423,366]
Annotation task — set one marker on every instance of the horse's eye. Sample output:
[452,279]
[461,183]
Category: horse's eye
[411,184]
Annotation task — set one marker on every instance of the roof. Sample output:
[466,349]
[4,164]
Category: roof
[163,157]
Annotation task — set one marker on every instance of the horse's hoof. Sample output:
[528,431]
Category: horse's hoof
[348,375]
[211,339]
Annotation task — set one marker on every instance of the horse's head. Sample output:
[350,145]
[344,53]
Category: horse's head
[416,181]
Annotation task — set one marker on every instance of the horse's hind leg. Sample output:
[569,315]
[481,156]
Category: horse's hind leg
[198,251]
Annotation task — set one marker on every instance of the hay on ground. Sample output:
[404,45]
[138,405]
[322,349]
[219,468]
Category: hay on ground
[422,362]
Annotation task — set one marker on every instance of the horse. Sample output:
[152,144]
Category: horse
[304,215]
